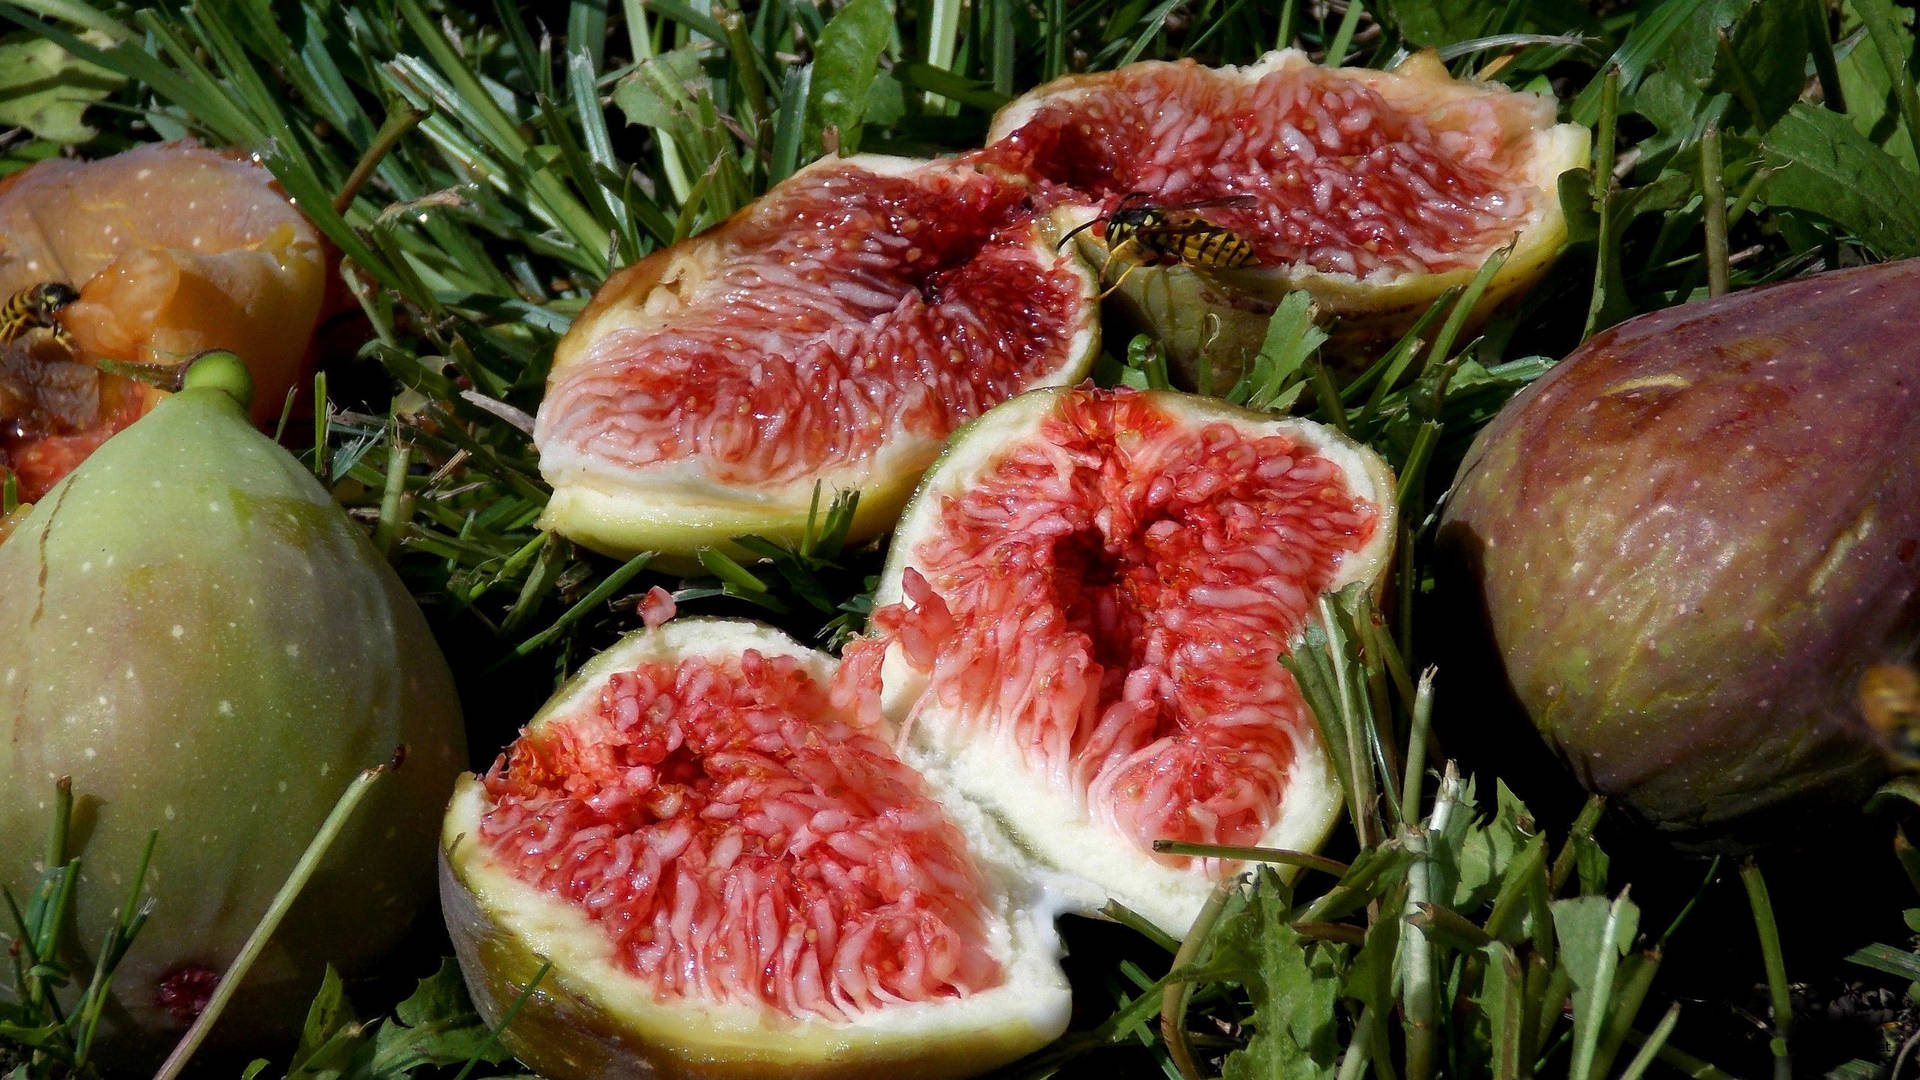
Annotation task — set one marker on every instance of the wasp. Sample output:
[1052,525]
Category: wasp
[36,306]
[1172,234]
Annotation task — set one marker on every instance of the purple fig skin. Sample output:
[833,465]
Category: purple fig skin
[1691,537]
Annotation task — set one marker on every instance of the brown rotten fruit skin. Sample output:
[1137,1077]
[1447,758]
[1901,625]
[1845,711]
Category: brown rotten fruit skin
[1691,538]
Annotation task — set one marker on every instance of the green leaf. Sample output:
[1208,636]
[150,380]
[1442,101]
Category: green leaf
[1825,168]
[1872,94]
[1881,957]
[1294,995]
[1276,377]
[46,89]
[655,94]
[845,64]
[1437,23]
[326,1017]
[1593,934]
[436,1025]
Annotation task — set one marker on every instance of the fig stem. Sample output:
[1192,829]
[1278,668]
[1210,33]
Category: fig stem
[1713,195]
[1782,997]
[277,910]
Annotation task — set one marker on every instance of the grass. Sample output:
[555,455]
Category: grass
[480,173]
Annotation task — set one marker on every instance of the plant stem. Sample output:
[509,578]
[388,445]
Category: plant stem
[1416,774]
[1249,853]
[1416,955]
[1602,183]
[276,910]
[400,121]
[1884,28]
[1582,829]
[1173,1000]
[1776,965]
[1820,42]
[1713,194]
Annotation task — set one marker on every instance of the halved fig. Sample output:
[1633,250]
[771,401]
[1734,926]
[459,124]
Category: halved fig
[1082,616]
[174,249]
[1374,191]
[733,875]
[835,331]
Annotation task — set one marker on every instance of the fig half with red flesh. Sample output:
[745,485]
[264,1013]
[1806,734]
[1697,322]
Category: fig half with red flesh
[834,333]
[1082,618]
[1375,191]
[733,875]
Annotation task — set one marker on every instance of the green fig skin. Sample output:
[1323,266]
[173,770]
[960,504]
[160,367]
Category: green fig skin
[1691,537]
[195,632]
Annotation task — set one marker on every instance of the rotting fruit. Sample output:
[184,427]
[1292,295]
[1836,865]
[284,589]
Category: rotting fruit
[832,333]
[1374,191]
[1694,538]
[197,635]
[174,249]
[1082,616]
[731,874]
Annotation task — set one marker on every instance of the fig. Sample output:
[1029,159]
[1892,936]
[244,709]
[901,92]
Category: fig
[1374,191]
[1693,538]
[174,249]
[197,635]
[833,333]
[731,874]
[1082,616]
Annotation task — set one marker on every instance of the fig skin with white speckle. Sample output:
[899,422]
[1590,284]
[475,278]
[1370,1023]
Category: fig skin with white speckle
[1693,535]
[196,633]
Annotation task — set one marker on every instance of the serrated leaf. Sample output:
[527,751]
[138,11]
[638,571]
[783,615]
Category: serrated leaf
[845,63]
[435,1025]
[655,94]
[326,1016]
[46,89]
[1294,999]
[1825,168]
[1275,378]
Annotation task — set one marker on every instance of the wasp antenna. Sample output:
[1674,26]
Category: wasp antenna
[1076,230]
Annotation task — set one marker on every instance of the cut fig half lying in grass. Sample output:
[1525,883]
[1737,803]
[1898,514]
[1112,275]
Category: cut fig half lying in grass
[733,875]
[1375,191]
[834,332]
[1082,618]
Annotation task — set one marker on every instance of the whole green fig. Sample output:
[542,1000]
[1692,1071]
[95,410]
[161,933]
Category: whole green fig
[195,632]
[1693,537]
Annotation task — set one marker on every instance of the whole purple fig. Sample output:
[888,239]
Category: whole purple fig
[1693,538]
